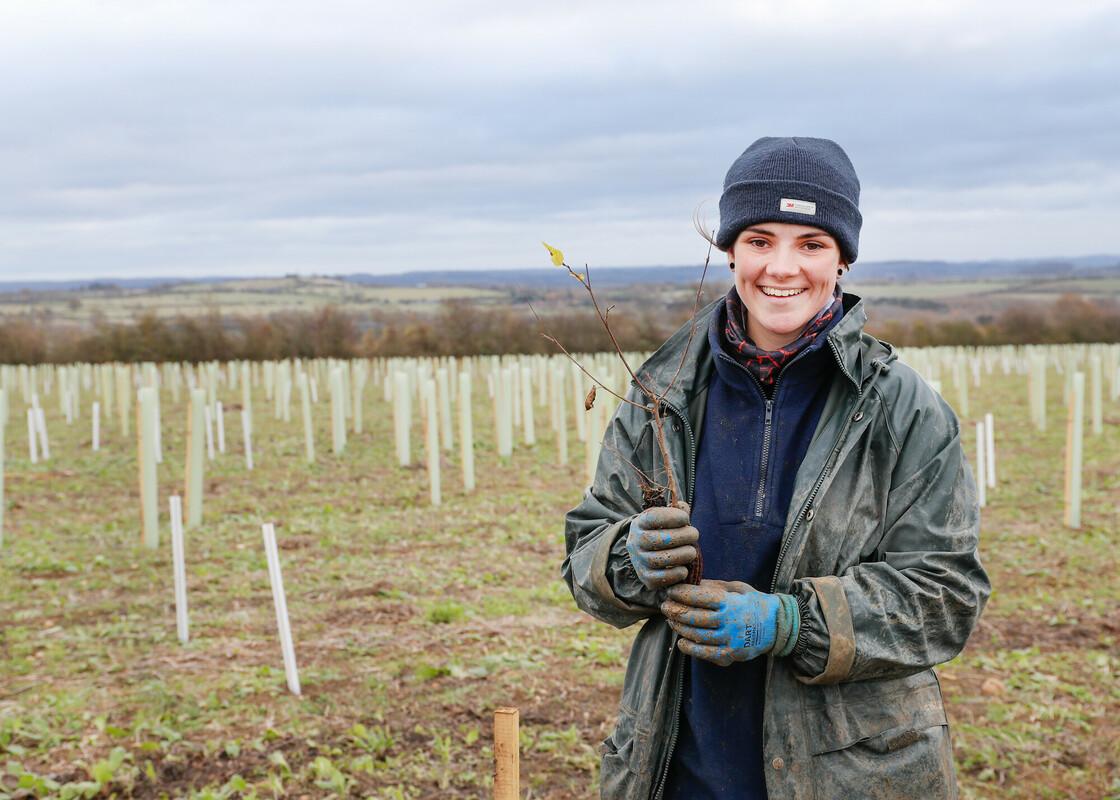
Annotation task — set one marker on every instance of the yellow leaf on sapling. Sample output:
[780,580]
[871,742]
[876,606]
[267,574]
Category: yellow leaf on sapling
[557,256]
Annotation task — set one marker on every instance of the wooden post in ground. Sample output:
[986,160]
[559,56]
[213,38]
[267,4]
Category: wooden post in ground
[95,422]
[1074,434]
[192,488]
[466,431]
[507,755]
[146,458]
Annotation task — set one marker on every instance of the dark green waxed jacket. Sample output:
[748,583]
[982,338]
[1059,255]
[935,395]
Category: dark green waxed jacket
[881,538]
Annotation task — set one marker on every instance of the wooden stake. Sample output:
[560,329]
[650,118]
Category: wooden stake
[95,421]
[507,755]
[182,624]
[287,649]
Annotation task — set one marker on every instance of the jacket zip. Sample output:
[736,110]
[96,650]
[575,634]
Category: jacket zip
[765,456]
[767,428]
[674,730]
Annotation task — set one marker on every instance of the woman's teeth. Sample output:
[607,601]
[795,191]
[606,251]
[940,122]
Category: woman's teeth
[766,290]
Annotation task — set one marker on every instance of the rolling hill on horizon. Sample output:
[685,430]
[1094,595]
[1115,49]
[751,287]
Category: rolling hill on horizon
[544,276]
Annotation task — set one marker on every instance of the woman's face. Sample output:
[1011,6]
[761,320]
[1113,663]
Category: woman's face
[773,258]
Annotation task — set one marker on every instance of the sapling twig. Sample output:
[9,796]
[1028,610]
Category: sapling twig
[655,399]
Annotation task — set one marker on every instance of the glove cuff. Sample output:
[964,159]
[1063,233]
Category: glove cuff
[788,625]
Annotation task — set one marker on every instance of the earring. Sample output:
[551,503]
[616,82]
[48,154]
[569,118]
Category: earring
[840,273]
[731,264]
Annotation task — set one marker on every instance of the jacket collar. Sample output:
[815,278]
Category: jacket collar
[855,353]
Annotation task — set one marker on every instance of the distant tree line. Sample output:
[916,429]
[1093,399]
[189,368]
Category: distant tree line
[462,328]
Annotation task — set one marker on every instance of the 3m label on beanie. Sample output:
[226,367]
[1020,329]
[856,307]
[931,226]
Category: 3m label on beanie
[797,206]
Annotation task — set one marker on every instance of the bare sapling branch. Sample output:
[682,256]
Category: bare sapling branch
[654,397]
[652,493]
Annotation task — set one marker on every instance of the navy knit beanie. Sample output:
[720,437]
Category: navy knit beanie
[795,179]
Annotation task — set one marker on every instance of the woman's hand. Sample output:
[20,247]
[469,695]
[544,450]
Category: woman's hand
[728,621]
[661,545]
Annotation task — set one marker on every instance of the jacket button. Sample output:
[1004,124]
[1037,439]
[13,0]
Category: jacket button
[809,515]
[858,416]
[777,763]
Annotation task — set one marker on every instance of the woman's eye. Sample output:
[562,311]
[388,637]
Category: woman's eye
[815,246]
[757,242]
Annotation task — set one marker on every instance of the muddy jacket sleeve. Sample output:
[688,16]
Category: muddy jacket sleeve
[597,567]
[912,603]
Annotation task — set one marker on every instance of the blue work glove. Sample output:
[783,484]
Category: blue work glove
[727,621]
[661,546]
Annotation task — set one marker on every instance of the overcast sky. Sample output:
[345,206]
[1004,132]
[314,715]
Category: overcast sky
[146,138]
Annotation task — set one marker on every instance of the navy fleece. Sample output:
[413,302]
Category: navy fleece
[744,483]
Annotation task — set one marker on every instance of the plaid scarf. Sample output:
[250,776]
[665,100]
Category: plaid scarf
[767,364]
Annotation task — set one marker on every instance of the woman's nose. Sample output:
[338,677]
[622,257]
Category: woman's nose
[783,263]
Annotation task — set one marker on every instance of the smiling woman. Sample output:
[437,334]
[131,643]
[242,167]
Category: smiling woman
[835,511]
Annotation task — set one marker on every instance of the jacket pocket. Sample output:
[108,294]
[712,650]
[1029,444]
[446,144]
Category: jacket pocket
[882,739]
[627,749]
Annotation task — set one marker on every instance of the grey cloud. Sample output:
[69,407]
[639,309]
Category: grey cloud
[232,152]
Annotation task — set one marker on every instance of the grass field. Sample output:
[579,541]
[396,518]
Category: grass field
[258,296]
[411,624]
[243,297]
